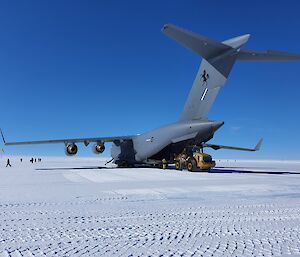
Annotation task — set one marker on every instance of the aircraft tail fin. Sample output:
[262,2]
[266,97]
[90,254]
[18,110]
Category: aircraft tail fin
[218,60]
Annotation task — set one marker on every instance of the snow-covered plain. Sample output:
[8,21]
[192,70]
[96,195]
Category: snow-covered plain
[75,207]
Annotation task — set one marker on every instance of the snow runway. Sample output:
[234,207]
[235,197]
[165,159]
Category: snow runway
[70,207]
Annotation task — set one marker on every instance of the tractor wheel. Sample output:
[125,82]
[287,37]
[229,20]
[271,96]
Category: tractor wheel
[178,165]
[191,165]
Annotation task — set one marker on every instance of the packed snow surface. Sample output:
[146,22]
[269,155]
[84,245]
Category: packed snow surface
[79,206]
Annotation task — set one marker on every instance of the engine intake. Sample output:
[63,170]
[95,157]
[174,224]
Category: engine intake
[98,148]
[71,149]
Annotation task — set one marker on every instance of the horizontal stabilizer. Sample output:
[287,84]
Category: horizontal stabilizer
[217,147]
[201,45]
[247,55]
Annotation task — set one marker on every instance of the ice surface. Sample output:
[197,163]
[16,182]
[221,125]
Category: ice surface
[75,207]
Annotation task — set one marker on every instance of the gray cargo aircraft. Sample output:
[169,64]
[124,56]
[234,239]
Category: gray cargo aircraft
[193,127]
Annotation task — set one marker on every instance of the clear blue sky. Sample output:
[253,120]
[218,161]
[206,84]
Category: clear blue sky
[103,68]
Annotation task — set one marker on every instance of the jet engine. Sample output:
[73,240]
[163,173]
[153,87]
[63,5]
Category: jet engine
[71,149]
[99,148]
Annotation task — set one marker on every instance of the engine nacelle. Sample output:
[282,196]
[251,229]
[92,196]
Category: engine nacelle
[71,149]
[98,148]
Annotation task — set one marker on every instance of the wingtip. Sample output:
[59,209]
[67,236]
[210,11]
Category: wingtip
[2,136]
[165,26]
[257,147]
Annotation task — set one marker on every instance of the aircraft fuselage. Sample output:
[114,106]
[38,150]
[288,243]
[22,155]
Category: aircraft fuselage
[164,142]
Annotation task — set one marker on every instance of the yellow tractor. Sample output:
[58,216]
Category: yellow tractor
[194,161]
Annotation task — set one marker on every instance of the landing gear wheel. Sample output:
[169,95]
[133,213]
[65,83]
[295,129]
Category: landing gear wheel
[178,165]
[191,165]
[123,164]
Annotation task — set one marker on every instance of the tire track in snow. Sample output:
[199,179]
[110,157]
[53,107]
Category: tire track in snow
[120,228]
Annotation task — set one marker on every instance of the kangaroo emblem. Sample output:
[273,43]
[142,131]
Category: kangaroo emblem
[204,77]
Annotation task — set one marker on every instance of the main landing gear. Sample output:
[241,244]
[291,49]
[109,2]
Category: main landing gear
[125,164]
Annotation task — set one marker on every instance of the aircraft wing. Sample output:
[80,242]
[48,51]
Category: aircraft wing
[86,141]
[217,147]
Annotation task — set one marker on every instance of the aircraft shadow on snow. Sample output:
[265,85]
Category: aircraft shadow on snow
[75,168]
[235,170]
[215,170]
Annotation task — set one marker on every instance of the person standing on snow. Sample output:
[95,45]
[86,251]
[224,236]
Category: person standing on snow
[8,163]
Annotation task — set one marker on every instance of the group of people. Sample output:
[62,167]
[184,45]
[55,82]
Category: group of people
[32,160]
